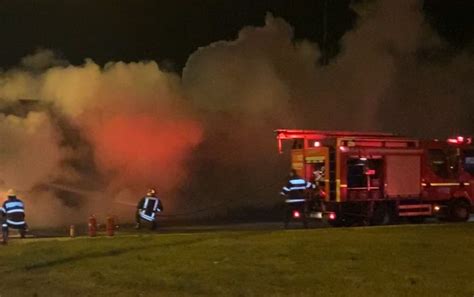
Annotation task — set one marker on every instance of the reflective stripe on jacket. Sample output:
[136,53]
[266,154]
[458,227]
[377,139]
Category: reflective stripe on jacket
[295,188]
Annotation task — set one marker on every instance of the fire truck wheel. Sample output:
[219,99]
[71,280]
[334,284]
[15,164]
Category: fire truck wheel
[382,215]
[416,220]
[338,222]
[350,221]
[305,224]
[459,211]
[335,223]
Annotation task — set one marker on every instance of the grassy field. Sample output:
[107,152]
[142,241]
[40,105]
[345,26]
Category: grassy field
[423,260]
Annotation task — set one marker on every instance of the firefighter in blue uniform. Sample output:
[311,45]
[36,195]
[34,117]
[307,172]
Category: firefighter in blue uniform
[147,209]
[295,192]
[13,215]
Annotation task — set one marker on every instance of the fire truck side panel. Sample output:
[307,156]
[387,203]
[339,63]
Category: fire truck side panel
[306,162]
[297,161]
[403,176]
[317,159]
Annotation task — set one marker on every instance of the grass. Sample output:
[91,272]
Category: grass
[424,260]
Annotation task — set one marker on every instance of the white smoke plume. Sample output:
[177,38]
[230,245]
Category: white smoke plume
[112,130]
[379,82]
[26,144]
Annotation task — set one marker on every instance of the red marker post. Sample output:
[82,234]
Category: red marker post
[92,226]
[110,226]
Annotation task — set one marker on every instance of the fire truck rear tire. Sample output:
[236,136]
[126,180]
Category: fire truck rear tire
[338,222]
[459,211]
[416,220]
[383,215]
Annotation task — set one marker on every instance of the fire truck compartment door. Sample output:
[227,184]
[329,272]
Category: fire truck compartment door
[403,176]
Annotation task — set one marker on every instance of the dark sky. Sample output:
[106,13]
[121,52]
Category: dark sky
[131,30]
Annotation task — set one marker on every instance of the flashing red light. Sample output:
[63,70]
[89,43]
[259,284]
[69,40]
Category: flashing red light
[460,140]
[332,216]
[317,144]
[296,214]
[343,148]
[452,140]
[370,172]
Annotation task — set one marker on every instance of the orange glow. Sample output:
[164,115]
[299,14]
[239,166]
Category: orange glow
[145,149]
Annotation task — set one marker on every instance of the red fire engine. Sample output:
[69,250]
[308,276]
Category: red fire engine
[378,178]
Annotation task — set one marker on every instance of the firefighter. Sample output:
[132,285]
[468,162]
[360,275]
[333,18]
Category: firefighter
[147,209]
[295,192]
[319,176]
[13,215]
[318,190]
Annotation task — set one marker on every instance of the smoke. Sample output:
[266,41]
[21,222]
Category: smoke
[265,79]
[101,134]
[134,116]
[26,143]
[42,59]
[254,74]
[105,134]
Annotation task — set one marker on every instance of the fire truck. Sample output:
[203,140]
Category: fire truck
[380,178]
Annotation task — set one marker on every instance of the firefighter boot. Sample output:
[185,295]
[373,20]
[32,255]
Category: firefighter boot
[22,233]
[286,219]
[4,235]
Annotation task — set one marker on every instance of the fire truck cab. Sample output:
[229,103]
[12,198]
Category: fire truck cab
[378,178]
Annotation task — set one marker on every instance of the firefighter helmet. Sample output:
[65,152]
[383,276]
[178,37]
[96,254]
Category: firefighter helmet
[11,193]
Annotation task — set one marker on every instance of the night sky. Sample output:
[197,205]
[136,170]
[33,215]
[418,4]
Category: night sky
[169,31]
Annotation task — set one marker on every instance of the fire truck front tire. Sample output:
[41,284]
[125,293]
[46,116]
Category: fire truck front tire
[383,214]
[459,211]
[416,220]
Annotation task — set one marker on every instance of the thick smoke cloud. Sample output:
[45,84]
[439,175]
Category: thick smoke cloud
[133,114]
[101,135]
[104,134]
[380,81]
[26,143]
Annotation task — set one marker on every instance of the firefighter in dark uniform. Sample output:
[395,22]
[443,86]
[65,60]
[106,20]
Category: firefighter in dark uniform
[318,194]
[147,209]
[13,216]
[295,192]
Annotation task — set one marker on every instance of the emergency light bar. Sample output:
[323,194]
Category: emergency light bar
[288,134]
[460,140]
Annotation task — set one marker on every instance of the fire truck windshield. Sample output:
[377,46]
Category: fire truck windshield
[444,163]
[468,161]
